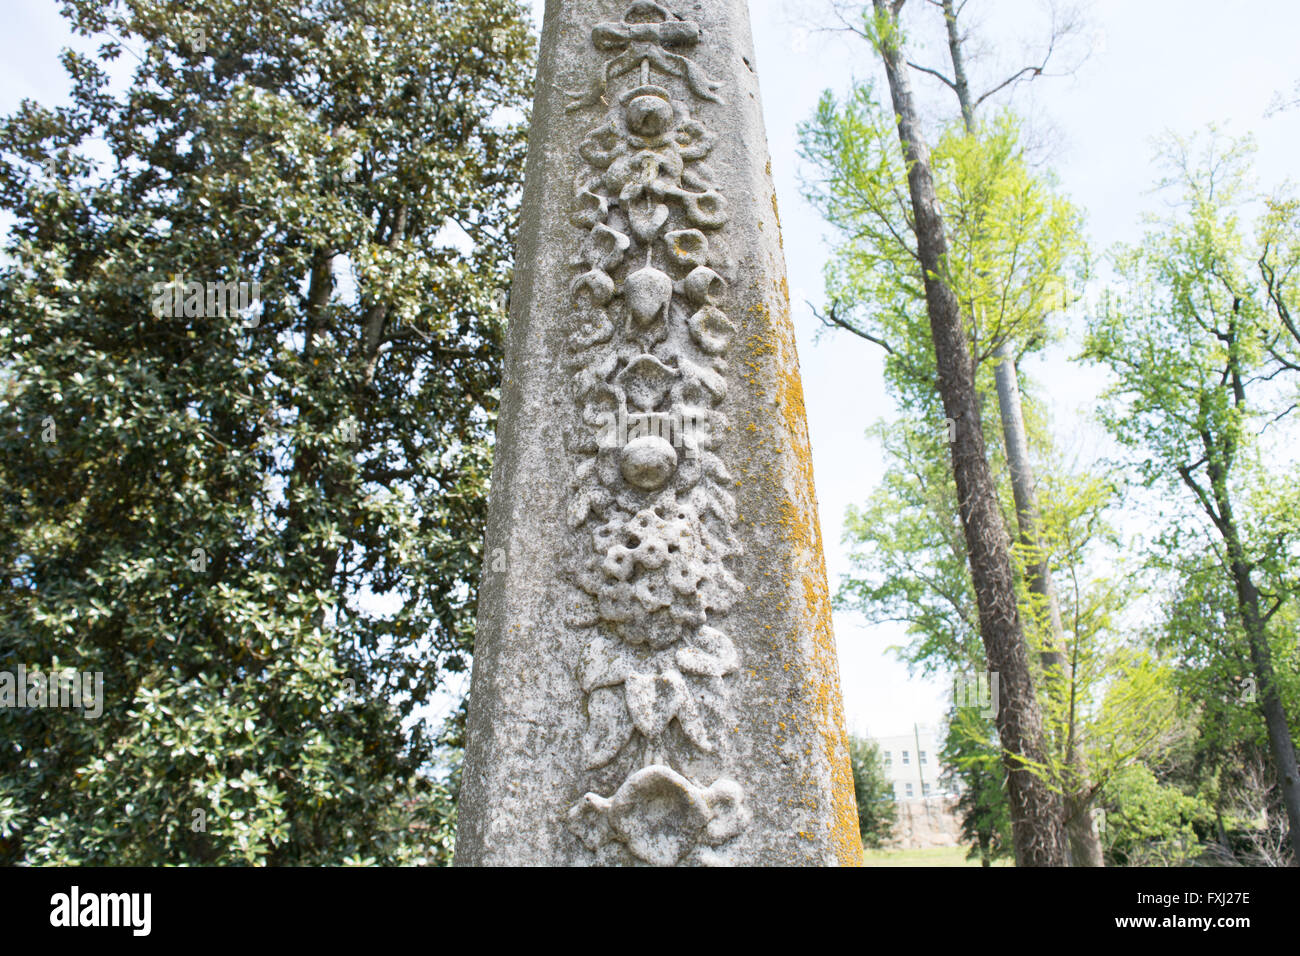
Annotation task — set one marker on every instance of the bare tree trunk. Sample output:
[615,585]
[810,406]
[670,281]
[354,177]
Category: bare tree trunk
[1279,734]
[1035,809]
[960,85]
[1261,658]
[1023,489]
[1084,845]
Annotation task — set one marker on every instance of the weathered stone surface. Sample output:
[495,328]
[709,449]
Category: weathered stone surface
[655,681]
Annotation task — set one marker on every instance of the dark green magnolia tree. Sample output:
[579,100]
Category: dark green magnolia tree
[258,519]
[877,811]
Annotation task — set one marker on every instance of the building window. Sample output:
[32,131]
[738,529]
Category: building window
[889,758]
[922,756]
[909,789]
[925,789]
[906,760]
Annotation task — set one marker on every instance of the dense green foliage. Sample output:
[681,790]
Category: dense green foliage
[262,528]
[1148,823]
[877,812]
[972,760]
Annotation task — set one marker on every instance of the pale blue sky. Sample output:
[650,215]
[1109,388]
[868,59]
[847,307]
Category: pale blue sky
[1155,65]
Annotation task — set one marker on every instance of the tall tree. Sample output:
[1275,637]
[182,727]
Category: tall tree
[1085,847]
[1195,349]
[260,525]
[1009,341]
[1036,809]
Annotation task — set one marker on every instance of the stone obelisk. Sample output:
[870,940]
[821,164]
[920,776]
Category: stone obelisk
[655,679]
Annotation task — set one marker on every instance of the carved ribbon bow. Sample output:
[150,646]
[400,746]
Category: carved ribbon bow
[671,33]
[648,41]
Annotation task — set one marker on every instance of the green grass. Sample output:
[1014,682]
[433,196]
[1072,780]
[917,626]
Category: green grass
[928,856]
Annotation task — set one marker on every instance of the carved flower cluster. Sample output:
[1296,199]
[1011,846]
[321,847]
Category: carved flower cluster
[662,559]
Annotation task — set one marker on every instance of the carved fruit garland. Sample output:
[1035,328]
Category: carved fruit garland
[649,496]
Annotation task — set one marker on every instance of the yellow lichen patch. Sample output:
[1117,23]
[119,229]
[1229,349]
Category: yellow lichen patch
[803,533]
[770,363]
[783,290]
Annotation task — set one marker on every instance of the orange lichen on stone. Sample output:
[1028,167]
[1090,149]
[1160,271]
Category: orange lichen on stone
[771,350]
[799,520]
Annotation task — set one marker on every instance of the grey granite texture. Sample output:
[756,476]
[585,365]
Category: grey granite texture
[655,681]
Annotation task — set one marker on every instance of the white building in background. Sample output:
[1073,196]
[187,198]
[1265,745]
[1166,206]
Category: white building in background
[926,808]
[912,763]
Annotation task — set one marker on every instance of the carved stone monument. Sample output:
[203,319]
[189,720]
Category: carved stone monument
[655,680]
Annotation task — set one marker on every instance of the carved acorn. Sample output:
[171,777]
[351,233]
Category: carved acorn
[648,115]
[648,462]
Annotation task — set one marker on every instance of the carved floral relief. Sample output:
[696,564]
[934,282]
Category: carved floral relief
[649,334]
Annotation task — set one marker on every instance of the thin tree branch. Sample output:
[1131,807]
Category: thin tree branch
[1035,70]
[935,73]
